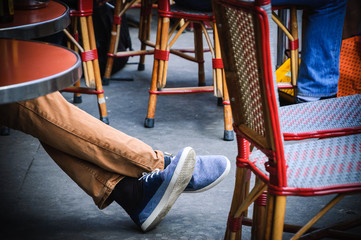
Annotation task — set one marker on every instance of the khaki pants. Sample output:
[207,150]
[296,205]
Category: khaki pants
[95,155]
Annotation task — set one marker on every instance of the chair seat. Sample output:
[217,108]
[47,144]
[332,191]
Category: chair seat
[318,166]
[318,116]
[177,11]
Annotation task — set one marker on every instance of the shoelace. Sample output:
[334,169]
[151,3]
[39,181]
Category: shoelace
[168,154]
[149,175]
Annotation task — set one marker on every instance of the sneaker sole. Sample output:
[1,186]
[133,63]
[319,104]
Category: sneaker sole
[218,180]
[179,181]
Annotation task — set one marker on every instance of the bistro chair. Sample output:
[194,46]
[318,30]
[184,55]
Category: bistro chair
[121,7]
[311,168]
[164,46]
[89,56]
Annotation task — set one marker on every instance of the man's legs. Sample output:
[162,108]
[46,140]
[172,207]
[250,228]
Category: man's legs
[95,155]
[321,44]
[95,181]
[68,129]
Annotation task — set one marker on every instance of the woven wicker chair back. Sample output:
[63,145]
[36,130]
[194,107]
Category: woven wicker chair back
[247,69]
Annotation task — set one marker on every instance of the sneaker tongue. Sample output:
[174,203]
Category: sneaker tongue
[167,160]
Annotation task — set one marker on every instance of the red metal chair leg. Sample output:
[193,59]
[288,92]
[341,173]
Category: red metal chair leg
[98,80]
[112,48]
[144,29]
[149,120]
[259,217]
[89,58]
[228,128]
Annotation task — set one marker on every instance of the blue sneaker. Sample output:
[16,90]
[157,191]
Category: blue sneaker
[162,188]
[208,172]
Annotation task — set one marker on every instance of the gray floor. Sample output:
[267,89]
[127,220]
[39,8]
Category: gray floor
[38,201]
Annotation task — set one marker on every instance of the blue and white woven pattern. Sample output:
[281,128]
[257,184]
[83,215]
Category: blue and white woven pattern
[321,115]
[321,163]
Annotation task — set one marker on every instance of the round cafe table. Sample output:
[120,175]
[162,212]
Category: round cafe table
[36,23]
[31,69]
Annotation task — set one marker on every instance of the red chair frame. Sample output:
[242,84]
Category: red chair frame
[269,164]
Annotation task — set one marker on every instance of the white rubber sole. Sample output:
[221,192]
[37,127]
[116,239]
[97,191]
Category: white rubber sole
[179,181]
[218,180]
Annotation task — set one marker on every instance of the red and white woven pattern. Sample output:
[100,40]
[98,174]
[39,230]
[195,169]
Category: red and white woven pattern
[321,163]
[241,26]
[336,113]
